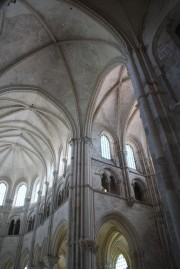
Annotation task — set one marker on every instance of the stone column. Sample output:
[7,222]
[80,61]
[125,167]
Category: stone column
[125,171]
[4,227]
[162,116]
[147,95]
[23,228]
[53,207]
[37,221]
[119,187]
[81,223]
[4,222]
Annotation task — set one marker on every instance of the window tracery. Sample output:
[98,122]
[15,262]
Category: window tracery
[121,262]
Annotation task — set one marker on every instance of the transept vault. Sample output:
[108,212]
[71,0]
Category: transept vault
[89,134]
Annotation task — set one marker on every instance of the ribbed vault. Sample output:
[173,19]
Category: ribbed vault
[33,132]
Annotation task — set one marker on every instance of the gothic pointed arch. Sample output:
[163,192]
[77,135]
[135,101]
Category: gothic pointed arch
[120,238]
[59,238]
[7,261]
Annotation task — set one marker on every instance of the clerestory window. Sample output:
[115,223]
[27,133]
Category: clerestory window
[21,194]
[105,147]
[3,189]
[130,157]
[121,262]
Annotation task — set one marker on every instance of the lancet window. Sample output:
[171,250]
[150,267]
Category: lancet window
[121,262]
[130,157]
[21,194]
[3,189]
[105,147]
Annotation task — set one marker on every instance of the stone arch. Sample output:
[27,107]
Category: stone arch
[59,245]
[7,261]
[44,249]
[107,69]
[111,229]
[24,257]
[37,254]
[111,135]
[59,238]
[112,176]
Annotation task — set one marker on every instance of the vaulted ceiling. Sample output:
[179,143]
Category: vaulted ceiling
[63,52]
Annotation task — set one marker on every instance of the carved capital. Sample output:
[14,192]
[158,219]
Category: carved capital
[85,139]
[88,244]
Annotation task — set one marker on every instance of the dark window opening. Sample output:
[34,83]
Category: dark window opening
[17,227]
[11,228]
[177,31]
[113,185]
[138,192]
[104,183]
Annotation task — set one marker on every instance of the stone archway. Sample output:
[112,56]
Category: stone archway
[115,236]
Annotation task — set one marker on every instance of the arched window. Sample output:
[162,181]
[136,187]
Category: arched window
[36,192]
[105,147]
[21,194]
[3,189]
[121,262]
[130,157]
